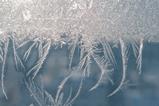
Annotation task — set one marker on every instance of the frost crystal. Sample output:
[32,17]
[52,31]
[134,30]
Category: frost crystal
[95,27]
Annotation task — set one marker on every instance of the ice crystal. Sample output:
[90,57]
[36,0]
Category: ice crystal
[95,27]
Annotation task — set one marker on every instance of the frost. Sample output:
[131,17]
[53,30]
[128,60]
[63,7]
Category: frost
[43,98]
[95,27]
[45,50]
[90,18]
[124,53]
[3,67]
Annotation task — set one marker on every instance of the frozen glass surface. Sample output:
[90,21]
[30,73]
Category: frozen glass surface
[79,52]
[138,90]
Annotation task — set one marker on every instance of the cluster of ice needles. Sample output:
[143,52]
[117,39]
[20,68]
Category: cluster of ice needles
[95,27]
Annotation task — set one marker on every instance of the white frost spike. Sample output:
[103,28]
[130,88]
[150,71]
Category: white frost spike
[108,52]
[77,94]
[17,59]
[88,65]
[103,64]
[31,87]
[40,49]
[85,61]
[1,53]
[139,59]
[51,99]
[72,50]
[59,101]
[69,98]
[138,49]
[22,44]
[59,93]
[3,67]
[61,86]
[103,61]
[27,53]
[99,81]
[40,62]
[124,53]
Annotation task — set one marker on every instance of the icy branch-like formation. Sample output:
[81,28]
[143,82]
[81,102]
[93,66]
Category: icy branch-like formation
[3,67]
[93,26]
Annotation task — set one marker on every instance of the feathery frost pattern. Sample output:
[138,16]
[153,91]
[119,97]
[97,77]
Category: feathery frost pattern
[94,27]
